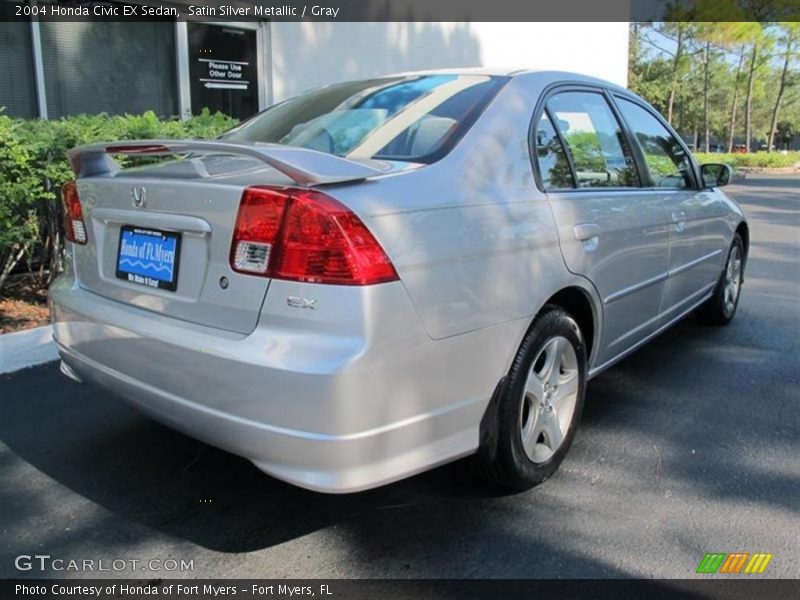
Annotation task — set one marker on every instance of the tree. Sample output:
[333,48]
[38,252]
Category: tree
[716,80]
[760,42]
[790,40]
[680,32]
[735,100]
[785,133]
[648,75]
[712,37]
[757,50]
[732,37]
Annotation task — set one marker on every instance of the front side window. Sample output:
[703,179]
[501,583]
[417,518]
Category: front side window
[553,164]
[414,118]
[667,162]
[593,136]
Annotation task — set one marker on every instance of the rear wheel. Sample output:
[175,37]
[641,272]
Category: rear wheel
[721,307]
[541,402]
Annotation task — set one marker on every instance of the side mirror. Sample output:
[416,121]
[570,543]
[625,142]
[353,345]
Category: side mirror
[715,175]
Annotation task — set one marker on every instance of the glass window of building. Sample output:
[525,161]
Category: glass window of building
[110,67]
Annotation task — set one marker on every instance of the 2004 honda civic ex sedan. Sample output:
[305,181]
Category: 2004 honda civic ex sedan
[380,276]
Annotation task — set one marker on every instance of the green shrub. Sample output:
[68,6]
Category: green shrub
[50,140]
[764,160]
[34,166]
[20,191]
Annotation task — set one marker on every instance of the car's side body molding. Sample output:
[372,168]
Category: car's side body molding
[596,370]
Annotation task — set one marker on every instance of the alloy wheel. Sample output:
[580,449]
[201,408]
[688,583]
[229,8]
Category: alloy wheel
[549,399]
[733,280]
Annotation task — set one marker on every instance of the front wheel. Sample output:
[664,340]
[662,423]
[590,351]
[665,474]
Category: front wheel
[721,307]
[541,402]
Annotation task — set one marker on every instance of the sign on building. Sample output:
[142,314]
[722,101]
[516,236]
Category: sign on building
[223,69]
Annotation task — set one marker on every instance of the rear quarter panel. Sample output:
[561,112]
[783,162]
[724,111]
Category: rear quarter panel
[471,237]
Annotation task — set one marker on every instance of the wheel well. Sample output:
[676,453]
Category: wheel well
[577,304]
[744,232]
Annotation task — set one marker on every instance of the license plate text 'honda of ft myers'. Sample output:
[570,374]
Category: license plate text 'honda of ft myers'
[377,277]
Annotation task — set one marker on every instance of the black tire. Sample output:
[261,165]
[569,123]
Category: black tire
[509,464]
[717,310]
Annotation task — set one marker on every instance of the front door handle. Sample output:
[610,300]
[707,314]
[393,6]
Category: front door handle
[586,231]
[679,218]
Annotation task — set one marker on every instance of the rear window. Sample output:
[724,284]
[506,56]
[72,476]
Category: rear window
[418,118]
[600,153]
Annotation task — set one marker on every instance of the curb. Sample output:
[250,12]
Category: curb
[770,170]
[23,349]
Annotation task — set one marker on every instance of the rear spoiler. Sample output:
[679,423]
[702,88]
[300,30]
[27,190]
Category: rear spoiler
[306,167]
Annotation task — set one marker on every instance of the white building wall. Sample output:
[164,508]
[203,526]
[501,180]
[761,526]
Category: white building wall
[306,54]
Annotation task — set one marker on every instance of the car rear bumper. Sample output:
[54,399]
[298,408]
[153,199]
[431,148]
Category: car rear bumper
[329,412]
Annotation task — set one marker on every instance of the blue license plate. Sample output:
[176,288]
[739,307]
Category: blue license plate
[149,257]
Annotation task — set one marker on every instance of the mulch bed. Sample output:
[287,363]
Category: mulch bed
[23,304]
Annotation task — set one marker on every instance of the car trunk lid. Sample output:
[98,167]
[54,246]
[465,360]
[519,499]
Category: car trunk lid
[159,237]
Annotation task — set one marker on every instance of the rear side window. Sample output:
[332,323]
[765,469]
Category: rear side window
[414,118]
[553,164]
[594,139]
[667,163]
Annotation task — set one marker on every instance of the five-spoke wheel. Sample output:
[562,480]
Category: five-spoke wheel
[721,307]
[540,402]
[549,398]
[733,279]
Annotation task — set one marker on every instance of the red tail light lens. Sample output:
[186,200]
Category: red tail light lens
[74,226]
[305,235]
[324,242]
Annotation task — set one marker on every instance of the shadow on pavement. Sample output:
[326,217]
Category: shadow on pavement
[146,473]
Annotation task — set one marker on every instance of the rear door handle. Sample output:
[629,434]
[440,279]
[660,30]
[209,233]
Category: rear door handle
[678,217]
[586,231]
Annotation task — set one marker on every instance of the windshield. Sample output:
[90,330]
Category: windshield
[416,118]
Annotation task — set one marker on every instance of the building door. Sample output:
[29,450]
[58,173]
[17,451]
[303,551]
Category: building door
[223,69]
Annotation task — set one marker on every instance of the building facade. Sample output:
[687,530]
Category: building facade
[174,68]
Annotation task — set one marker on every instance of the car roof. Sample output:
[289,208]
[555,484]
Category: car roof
[566,76]
[489,71]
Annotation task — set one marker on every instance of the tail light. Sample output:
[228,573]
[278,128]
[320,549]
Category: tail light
[305,235]
[74,226]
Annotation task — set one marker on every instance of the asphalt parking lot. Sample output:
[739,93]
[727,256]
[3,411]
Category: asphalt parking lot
[691,445]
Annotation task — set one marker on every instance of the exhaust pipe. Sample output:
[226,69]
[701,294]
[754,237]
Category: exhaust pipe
[69,372]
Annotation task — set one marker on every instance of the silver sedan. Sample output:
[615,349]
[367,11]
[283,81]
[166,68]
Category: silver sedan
[377,277]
